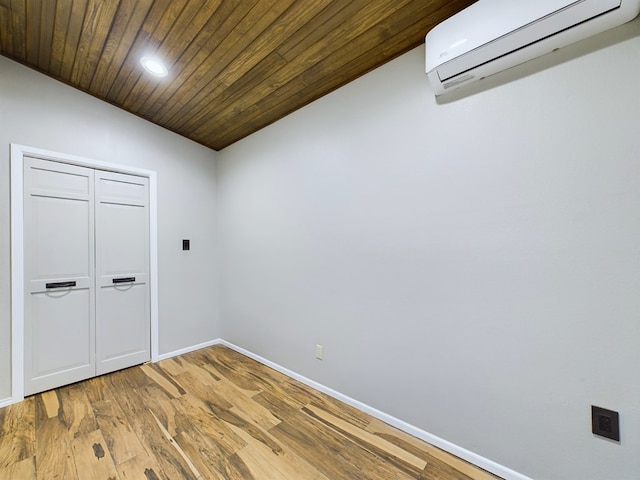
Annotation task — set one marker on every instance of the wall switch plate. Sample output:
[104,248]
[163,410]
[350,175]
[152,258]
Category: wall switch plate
[186,244]
[319,352]
[605,423]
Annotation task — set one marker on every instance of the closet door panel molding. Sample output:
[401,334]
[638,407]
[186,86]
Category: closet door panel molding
[122,266]
[59,274]
[54,198]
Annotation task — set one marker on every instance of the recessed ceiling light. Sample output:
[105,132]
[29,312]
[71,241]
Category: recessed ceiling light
[154,66]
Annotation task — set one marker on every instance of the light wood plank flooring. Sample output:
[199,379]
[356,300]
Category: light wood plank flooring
[209,414]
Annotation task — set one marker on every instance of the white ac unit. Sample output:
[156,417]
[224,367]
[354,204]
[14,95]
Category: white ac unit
[493,35]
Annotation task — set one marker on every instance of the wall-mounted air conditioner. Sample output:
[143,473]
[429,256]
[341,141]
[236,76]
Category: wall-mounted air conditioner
[493,35]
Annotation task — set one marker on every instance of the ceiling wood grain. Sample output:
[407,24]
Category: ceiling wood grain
[234,66]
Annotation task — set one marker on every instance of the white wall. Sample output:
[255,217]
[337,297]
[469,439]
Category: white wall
[471,267]
[43,113]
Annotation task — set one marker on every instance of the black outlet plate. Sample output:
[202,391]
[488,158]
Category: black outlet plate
[186,244]
[605,423]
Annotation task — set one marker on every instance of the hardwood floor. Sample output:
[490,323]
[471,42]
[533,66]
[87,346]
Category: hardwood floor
[209,414]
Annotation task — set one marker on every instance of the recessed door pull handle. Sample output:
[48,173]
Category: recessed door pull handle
[61,284]
[124,280]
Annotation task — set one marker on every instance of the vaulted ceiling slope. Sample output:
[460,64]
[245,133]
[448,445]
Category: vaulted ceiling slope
[234,66]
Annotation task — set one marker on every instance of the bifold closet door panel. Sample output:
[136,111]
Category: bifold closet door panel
[59,274]
[122,271]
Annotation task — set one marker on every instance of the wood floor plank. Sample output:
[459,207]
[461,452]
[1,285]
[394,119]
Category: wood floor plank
[171,366]
[246,407]
[236,368]
[258,466]
[233,419]
[143,423]
[122,442]
[441,471]
[156,400]
[97,389]
[75,412]
[179,450]
[319,446]
[17,441]
[51,403]
[129,378]
[341,410]
[280,406]
[22,470]
[209,458]
[202,359]
[368,440]
[52,436]
[426,451]
[212,413]
[258,456]
[202,418]
[198,373]
[207,393]
[282,388]
[157,446]
[370,466]
[142,467]
[156,374]
[92,457]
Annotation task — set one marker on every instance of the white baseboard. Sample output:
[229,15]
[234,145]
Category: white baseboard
[192,348]
[456,450]
[5,402]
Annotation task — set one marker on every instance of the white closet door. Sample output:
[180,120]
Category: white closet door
[59,274]
[122,271]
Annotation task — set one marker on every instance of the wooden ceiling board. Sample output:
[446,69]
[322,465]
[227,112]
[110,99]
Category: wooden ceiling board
[172,30]
[240,38]
[6,39]
[340,35]
[59,37]
[325,74]
[198,51]
[311,64]
[48,10]
[152,33]
[124,31]
[183,34]
[199,73]
[235,66]
[238,74]
[32,13]
[71,41]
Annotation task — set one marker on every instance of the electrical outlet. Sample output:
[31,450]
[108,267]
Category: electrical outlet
[319,352]
[605,423]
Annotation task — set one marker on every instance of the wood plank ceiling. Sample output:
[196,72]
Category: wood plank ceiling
[234,66]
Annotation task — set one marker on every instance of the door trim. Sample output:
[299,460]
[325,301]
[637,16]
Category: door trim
[18,152]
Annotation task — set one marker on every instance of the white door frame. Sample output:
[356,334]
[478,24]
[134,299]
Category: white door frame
[18,152]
